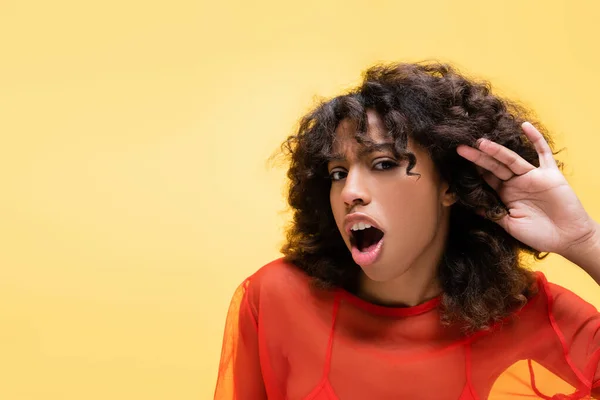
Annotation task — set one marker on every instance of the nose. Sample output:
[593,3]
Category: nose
[355,190]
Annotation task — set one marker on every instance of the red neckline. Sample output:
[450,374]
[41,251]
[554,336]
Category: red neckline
[390,311]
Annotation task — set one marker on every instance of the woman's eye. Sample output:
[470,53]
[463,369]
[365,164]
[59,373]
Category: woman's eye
[337,175]
[383,165]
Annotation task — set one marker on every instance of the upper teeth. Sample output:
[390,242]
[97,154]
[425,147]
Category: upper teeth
[360,226]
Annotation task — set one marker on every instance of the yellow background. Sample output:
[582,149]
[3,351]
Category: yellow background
[135,193]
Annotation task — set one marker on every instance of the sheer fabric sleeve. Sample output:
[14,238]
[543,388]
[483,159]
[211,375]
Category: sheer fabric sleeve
[552,351]
[577,326]
[239,376]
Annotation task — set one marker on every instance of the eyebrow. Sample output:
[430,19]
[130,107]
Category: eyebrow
[365,150]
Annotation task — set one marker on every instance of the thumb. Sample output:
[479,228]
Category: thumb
[503,221]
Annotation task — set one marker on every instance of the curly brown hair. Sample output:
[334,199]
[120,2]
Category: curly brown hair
[481,275]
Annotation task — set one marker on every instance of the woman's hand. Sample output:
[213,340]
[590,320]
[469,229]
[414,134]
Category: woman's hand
[544,211]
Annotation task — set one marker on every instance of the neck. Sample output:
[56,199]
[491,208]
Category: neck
[417,283]
[407,290]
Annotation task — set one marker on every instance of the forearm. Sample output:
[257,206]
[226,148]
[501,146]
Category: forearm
[587,254]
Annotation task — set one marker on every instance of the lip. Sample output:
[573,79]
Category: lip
[357,217]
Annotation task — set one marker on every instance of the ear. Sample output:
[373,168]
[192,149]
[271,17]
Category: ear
[448,196]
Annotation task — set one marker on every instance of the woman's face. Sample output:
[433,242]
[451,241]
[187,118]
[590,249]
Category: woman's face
[390,221]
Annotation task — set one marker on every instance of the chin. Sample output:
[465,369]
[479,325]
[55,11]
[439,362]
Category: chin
[379,273]
[382,271]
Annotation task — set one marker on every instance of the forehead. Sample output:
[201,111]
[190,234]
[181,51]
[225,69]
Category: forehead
[345,141]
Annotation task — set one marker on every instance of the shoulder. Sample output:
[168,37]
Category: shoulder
[276,280]
[277,273]
[563,304]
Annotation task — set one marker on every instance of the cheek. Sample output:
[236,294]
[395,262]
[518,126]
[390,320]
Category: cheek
[337,208]
[413,208]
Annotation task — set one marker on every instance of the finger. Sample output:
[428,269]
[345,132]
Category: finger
[541,146]
[493,181]
[485,161]
[517,164]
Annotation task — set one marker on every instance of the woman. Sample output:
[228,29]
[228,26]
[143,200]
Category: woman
[413,197]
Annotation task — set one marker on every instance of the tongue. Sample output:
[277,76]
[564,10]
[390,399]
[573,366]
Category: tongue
[369,248]
[370,238]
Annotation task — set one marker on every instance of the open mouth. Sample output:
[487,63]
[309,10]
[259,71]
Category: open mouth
[365,239]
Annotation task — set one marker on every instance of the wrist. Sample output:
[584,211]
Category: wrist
[586,252]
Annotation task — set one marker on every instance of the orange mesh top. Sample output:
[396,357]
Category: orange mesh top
[284,339]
